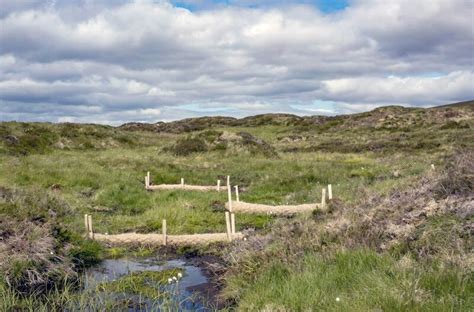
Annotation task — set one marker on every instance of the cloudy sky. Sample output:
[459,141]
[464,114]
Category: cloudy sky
[114,61]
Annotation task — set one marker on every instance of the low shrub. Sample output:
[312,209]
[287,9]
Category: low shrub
[257,145]
[458,176]
[187,146]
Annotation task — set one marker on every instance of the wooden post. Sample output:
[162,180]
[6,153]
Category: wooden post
[227,223]
[228,180]
[323,199]
[148,178]
[218,185]
[229,194]
[182,181]
[163,228]
[237,193]
[86,223]
[329,191]
[432,167]
[232,222]
[146,182]
[91,231]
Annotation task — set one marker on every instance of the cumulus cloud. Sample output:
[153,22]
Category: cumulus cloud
[117,61]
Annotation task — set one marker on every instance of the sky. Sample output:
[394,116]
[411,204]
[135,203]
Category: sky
[118,61]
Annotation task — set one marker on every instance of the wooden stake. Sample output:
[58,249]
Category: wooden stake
[232,222]
[86,223]
[163,228]
[182,181]
[229,194]
[218,185]
[91,231]
[228,180]
[329,191]
[146,182]
[227,223]
[323,198]
[237,193]
[148,178]
[432,167]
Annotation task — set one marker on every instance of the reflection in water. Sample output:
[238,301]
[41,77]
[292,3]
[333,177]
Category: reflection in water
[113,269]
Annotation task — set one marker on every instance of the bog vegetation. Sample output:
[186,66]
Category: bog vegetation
[397,236]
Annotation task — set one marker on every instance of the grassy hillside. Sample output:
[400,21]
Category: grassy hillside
[377,248]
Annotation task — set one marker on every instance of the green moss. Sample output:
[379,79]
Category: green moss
[147,283]
[115,252]
[86,253]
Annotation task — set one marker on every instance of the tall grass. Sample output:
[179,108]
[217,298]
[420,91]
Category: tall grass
[360,280]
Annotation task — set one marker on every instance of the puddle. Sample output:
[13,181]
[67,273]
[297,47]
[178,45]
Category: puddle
[187,294]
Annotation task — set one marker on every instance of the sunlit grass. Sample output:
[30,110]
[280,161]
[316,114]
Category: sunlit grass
[358,281]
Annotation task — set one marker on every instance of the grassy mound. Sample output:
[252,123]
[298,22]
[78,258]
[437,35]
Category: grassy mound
[37,253]
[231,143]
[21,139]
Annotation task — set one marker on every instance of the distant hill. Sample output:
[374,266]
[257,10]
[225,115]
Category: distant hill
[388,116]
[467,104]
[341,133]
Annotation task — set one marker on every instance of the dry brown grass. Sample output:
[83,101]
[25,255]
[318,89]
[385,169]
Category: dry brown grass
[30,260]
[458,177]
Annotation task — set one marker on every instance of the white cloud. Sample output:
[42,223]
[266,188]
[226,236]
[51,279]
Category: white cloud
[414,90]
[131,57]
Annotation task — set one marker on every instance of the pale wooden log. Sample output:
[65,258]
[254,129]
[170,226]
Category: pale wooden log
[237,193]
[228,228]
[232,222]
[203,188]
[163,228]
[156,239]
[244,207]
[323,198]
[329,191]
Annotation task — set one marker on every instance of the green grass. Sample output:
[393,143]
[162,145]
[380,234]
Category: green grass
[105,297]
[145,283]
[358,281]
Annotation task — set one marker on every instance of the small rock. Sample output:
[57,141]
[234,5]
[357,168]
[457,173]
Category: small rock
[56,187]
[12,139]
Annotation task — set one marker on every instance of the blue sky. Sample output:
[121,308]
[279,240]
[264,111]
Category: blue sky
[326,6]
[116,61]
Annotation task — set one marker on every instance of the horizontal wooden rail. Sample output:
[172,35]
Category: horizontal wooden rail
[244,207]
[154,239]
